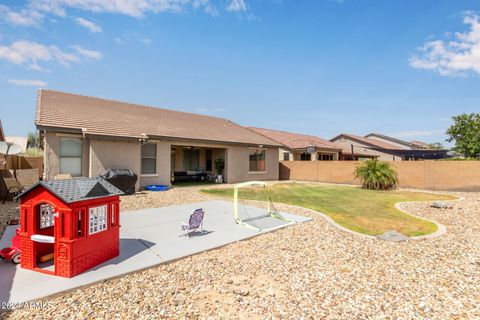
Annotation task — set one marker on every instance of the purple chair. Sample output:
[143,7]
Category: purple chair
[194,223]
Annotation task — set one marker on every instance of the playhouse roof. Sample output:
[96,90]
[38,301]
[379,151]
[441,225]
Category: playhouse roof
[78,189]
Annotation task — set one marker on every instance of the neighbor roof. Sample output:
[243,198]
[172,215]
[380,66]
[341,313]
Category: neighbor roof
[419,144]
[392,139]
[78,189]
[296,140]
[94,116]
[347,150]
[367,141]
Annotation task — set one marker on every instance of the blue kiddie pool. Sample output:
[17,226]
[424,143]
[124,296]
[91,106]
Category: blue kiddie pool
[157,187]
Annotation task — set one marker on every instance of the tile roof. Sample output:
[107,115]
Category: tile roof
[419,144]
[78,189]
[371,142]
[295,140]
[104,117]
[347,149]
[392,139]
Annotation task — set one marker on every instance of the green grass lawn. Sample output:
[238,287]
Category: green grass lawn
[364,211]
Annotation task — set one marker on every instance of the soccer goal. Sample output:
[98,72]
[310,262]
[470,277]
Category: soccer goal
[263,216]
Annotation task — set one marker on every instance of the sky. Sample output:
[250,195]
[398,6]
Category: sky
[321,67]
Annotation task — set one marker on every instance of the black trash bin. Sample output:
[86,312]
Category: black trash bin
[123,179]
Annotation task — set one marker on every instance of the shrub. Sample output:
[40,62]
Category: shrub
[376,175]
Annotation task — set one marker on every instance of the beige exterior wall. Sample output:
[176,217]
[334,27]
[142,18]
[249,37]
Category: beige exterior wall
[101,154]
[52,154]
[106,154]
[367,152]
[430,175]
[237,165]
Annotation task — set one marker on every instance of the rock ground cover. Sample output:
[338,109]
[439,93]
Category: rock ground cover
[310,270]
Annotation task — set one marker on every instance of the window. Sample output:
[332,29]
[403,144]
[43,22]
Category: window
[257,161]
[305,157]
[286,156]
[46,216]
[97,219]
[80,224]
[191,159]
[113,214]
[149,158]
[71,156]
[325,157]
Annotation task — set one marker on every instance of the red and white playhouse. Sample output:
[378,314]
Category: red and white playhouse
[69,226]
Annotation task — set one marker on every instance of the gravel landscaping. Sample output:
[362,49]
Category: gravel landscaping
[311,270]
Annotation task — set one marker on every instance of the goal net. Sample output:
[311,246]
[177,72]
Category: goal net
[262,215]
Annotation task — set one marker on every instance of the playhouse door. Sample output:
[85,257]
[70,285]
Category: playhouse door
[44,238]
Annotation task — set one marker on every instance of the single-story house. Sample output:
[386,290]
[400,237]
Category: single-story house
[84,136]
[301,147]
[361,148]
[400,144]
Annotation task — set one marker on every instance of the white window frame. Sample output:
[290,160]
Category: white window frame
[97,219]
[69,157]
[48,213]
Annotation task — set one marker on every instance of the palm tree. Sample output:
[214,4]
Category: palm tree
[377,175]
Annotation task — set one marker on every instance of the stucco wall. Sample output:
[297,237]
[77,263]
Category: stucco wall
[101,154]
[52,154]
[430,175]
[106,154]
[238,165]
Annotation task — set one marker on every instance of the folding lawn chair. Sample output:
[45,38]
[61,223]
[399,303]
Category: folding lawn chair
[194,223]
[13,187]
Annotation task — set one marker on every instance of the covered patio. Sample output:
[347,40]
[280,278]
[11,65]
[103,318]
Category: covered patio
[197,164]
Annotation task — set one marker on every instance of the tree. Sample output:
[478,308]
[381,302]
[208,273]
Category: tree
[436,146]
[376,175]
[465,132]
[33,141]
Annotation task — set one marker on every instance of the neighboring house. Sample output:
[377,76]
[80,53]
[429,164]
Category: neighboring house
[295,146]
[84,136]
[363,148]
[420,145]
[399,144]
[21,141]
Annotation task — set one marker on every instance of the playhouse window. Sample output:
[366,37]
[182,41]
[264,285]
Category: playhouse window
[46,216]
[97,219]
[113,215]
[80,224]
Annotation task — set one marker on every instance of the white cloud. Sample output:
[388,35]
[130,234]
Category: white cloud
[237,6]
[90,54]
[90,25]
[30,54]
[459,56]
[133,8]
[24,17]
[146,41]
[27,82]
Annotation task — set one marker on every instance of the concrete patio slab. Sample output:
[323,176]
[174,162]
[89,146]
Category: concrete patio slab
[148,237]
